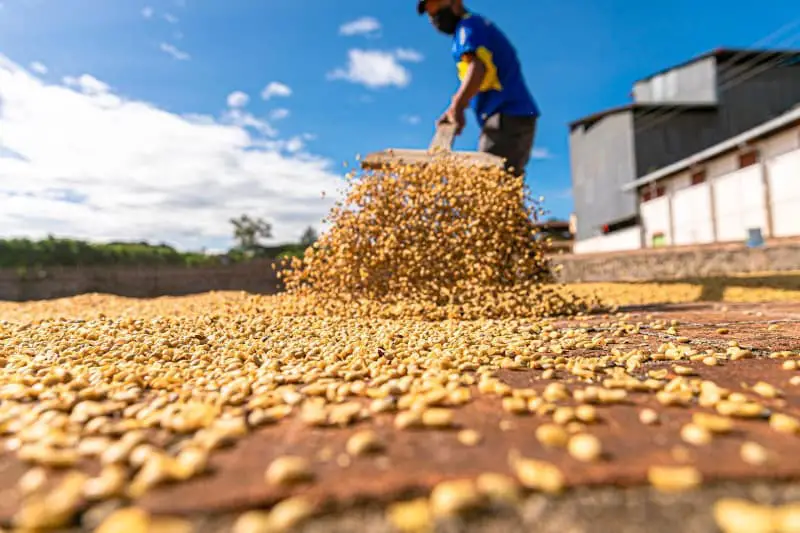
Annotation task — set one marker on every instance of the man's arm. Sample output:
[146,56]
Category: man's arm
[476,72]
[470,86]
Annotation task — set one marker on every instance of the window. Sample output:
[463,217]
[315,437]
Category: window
[650,192]
[699,177]
[747,159]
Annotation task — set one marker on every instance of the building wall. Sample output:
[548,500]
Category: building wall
[739,204]
[755,92]
[602,162]
[691,216]
[784,181]
[732,200]
[781,143]
[694,83]
[627,239]
[655,216]
[664,137]
[721,165]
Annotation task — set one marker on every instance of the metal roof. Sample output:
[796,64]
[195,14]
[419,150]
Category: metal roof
[782,121]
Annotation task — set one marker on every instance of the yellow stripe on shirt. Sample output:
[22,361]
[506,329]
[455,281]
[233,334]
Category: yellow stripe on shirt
[490,82]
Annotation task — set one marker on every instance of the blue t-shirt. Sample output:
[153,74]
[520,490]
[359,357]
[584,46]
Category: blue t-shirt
[503,89]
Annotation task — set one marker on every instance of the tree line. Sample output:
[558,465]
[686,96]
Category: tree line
[249,234]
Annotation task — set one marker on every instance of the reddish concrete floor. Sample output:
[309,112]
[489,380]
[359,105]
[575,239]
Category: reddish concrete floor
[415,460]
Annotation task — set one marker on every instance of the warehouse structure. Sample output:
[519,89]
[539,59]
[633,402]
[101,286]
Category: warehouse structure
[676,115]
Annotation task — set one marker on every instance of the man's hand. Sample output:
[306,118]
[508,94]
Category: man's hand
[470,87]
[454,115]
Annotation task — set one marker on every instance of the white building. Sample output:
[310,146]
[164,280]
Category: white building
[724,194]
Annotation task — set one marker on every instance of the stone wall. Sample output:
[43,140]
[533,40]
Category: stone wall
[140,282]
[679,262]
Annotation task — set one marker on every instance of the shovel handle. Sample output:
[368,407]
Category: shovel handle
[444,137]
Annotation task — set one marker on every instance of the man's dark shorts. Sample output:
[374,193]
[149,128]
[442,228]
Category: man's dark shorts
[511,138]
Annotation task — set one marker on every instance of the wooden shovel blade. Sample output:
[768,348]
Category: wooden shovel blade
[377,160]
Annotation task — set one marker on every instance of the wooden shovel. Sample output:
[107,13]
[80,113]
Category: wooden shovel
[442,141]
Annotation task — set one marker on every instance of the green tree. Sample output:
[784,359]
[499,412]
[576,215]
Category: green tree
[53,251]
[248,232]
[309,236]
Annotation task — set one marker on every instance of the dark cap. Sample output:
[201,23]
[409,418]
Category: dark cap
[421,6]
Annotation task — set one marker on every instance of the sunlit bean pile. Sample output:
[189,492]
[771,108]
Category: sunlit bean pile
[408,308]
[439,241]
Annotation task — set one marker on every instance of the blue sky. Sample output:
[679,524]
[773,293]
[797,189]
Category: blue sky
[186,57]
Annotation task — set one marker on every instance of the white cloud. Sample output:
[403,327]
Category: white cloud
[86,84]
[411,119]
[377,68]
[85,162]
[408,54]
[238,99]
[39,68]
[276,88]
[295,144]
[243,119]
[360,26]
[541,153]
[148,12]
[169,17]
[174,51]
[279,114]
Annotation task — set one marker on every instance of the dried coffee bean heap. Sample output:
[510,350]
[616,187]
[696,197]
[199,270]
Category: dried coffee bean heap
[438,241]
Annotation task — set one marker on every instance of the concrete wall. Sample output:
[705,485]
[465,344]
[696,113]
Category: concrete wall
[140,282]
[627,239]
[259,278]
[784,182]
[602,162]
[656,220]
[739,204]
[679,263]
[691,216]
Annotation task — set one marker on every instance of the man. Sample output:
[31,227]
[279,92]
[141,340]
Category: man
[491,81]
